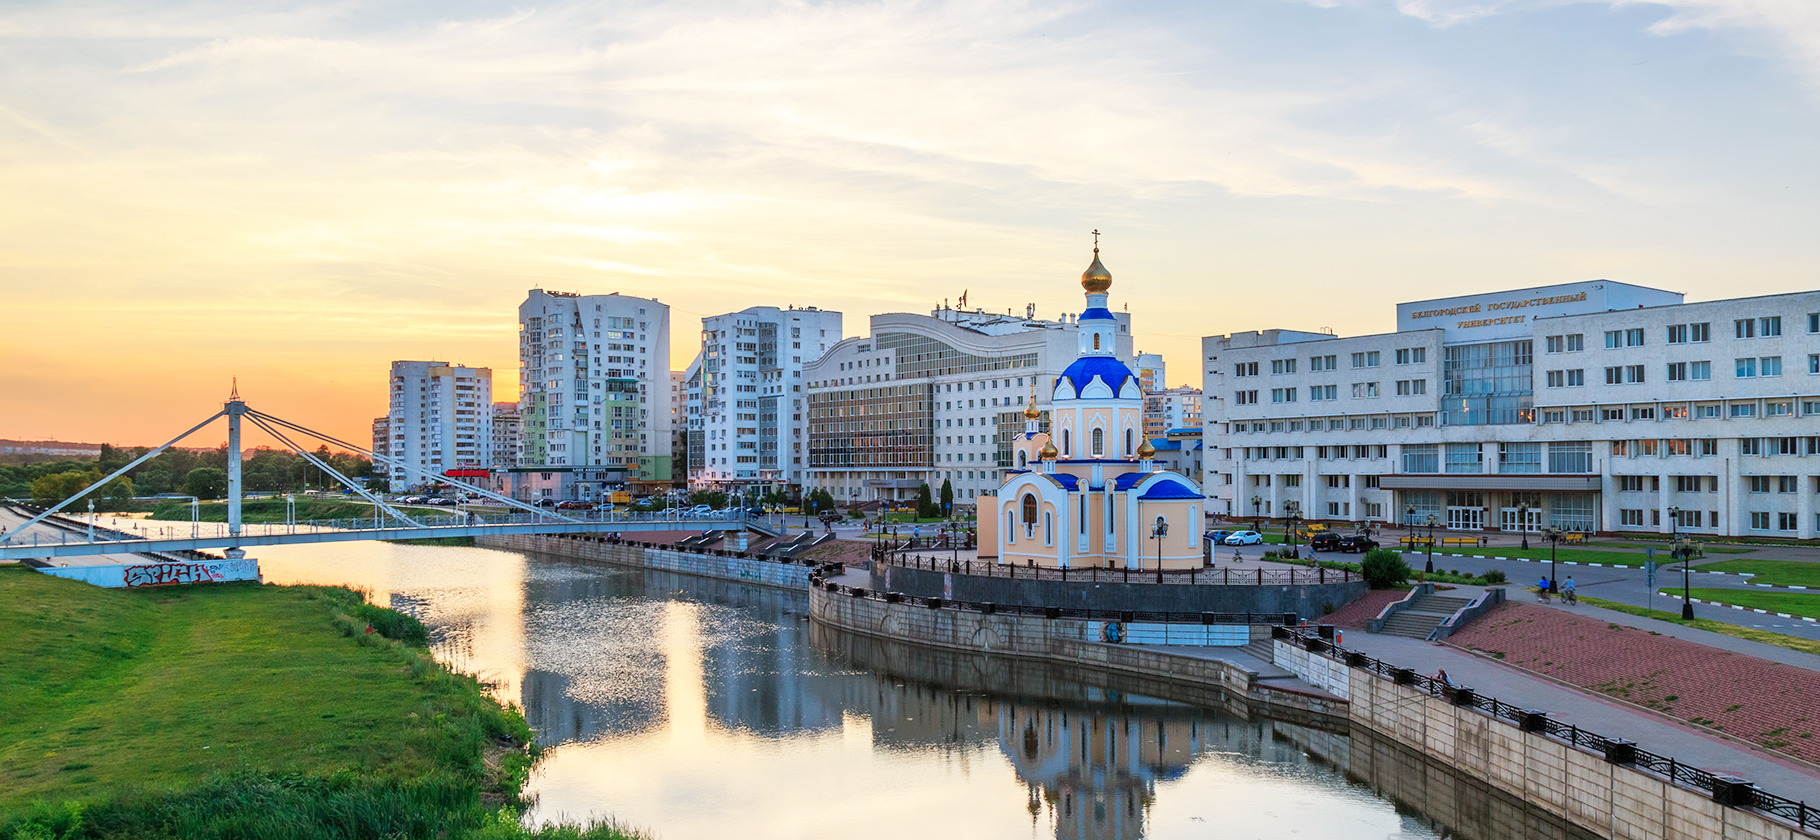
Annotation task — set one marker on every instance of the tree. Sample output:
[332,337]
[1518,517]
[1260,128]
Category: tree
[206,483]
[947,498]
[1383,568]
[925,506]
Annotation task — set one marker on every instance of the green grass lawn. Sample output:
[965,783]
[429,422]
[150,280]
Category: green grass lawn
[1751,633]
[1534,552]
[1780,572]
[143,697]
[1793,603]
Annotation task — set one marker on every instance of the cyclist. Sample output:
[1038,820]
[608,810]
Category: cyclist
[1542,589]
[1567,591]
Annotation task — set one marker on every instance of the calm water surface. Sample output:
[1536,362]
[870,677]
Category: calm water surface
[702,709]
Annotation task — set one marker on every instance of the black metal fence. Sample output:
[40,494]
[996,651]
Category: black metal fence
[1726,790]
[1223,576]
[817,579]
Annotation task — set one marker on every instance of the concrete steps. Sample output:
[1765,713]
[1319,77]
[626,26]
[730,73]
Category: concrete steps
[1422,616]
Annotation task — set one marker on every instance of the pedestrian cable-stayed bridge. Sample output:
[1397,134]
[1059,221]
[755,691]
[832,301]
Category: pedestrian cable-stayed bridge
[388,522]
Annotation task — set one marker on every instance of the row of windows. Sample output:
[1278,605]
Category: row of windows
[1336,424]
[1745,368]
[1322,393]
[1316,364]
[1742,328]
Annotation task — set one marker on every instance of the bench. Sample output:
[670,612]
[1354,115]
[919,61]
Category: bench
[1417,541]
[1574,538]
[1462,540]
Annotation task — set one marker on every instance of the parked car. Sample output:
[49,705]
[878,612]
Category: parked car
[1217,536]
[702,510]
[545,503]
[1357,544]
[1244,538]
[443,502]
[1325,541]
[572,505]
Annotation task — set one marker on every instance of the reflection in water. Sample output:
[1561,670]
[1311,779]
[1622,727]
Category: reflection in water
[703,709]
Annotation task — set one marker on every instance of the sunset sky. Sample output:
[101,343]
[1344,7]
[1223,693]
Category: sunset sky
[298,194]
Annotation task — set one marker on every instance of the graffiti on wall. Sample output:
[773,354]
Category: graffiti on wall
[171,574]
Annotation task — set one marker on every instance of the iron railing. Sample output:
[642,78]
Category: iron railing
[817,579]
[1223,576]
[1727,790]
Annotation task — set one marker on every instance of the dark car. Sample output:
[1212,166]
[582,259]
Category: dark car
[573,505]
[1356,544]
[1325,541]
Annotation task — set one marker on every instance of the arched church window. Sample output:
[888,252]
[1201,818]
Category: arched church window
[1096,341]
[1099,442]
[1127,443]
[1022,459]
[1029,508]
[1066,452]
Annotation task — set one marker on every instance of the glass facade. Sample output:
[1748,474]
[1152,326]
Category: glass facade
[1570,457]
[1465,458]
[885,426]
[1519,457]
[1421,458]
[1489,384]
[922,356]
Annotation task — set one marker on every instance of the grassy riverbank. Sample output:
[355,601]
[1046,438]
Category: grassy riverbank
[241,710]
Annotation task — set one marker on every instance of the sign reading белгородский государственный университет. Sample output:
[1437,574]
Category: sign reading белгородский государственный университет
[1506,314]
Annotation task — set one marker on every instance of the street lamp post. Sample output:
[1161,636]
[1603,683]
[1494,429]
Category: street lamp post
[1682,552]
[1553,536]
[1409,517]
[1430,567]
[1291,511]
[1158,533]
[1256,503]
[1523,523]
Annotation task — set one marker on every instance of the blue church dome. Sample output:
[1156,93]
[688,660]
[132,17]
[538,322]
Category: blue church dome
[1112,371]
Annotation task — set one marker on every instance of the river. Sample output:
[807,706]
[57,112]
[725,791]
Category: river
[707,709]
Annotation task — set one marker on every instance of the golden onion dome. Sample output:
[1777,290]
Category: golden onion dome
[1146,451]
[1096,279]
[1048,452]
[1030,412]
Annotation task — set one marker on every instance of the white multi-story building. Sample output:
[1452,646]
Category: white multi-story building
[1170,409]
[1150,372]
[932,398]
[594,374]
[440,419]
[751,371]
[1595,406]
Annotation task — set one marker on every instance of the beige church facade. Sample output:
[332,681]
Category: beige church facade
[1089,493]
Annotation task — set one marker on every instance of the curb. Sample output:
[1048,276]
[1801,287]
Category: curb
[1755,610]
[1599,565]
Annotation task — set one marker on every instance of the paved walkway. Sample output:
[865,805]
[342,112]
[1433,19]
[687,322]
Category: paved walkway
[1607,717]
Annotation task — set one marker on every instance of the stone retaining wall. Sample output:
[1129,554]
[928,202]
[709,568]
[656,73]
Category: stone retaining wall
[1610,800]
[744,569]
[1068,641]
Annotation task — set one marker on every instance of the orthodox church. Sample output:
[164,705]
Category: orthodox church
[1089,492]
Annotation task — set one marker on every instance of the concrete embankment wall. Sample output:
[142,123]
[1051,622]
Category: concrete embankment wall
[1310,601]
[743,569]
[1611,800]
[1067,641]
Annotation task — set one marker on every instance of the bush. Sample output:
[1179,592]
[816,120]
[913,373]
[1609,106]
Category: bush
[1384,568]
[1494,576]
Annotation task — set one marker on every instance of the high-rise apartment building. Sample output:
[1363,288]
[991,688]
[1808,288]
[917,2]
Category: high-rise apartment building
[594,376]
[440,419]
[932,398]
[507,428]
[1595,406]
[751,386]
[1169,409]
[1149,370]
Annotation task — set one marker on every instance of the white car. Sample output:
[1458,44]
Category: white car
[1245,538]
[702,510]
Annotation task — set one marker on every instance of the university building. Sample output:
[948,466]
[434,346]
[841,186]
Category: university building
[1595,406]
[933,398]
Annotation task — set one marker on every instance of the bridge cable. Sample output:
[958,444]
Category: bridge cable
[334,472]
